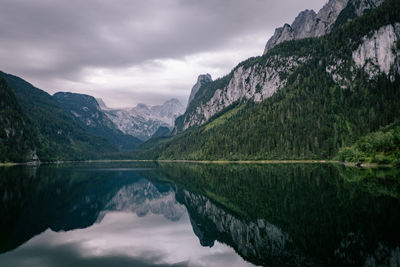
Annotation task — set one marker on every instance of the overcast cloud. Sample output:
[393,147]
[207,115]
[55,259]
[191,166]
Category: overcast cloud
[130,51]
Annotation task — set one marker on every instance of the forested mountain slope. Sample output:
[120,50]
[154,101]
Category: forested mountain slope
[255,81]
[59,136]
[17,138]
[307,97]
[85,110]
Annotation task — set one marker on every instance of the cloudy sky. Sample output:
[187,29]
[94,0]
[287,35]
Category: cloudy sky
[131,51]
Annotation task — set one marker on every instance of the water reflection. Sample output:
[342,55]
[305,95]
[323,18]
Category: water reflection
[89,217]
[199,215]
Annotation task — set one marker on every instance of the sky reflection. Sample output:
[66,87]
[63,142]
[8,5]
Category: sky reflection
[123,238]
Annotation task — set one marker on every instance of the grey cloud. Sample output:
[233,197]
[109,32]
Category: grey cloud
[123,33]
[50,39]
[71,255]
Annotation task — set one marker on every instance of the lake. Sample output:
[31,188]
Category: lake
[186,214]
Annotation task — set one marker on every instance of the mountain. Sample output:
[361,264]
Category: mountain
[143,120]
[101,103]
[86,111]
[309,24]
[202,79]
[162,132]
[304,98]
[256,82]
[59,137]
[17,137]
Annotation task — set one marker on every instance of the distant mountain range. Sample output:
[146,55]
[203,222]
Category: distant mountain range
[143,120]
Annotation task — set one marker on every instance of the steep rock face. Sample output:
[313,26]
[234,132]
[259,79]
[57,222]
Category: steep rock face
[379,52]
[134,124]
[301,28]
[308,24]
[302,25]
[168,111]
[202,79]
[256,83]
[326,17]
[143,121]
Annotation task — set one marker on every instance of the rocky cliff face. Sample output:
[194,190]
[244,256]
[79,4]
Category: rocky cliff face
[309,24]
[302,27]
[255,83]
[258,81]
[380,52]
[143,121]
[202,79]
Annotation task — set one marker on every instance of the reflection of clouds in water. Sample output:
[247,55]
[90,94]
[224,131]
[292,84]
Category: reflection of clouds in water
[143,197]
[70,255]
[123,239]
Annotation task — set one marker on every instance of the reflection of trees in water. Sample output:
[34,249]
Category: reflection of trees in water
[256,241]
[67,199]
[313,204]
[270,214]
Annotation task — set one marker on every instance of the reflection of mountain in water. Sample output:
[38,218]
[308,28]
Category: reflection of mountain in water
[67,199]
[271,215]
[313,215]
[257,241]
[143,197]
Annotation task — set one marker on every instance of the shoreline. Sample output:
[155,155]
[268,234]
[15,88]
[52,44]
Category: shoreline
[347,164]
[9,164]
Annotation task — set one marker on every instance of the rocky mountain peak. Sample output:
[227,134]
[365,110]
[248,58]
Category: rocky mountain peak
[202,79]
[302,23]
[309,24]
[143,120]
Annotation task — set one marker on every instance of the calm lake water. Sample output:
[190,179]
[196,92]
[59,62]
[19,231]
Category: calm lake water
[181,214]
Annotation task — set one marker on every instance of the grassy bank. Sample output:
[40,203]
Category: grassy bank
[7,164]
